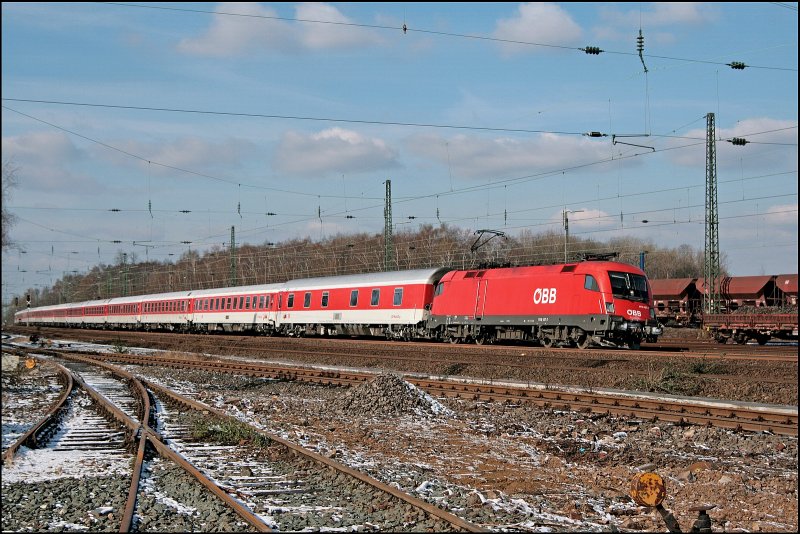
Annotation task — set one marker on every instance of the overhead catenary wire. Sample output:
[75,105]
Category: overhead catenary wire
[405,28]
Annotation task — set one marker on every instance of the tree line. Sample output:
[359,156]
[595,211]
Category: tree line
[426,247]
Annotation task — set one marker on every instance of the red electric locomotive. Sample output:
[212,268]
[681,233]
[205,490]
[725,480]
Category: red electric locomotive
[592,302]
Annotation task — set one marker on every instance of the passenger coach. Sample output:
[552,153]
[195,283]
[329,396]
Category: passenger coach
[392,304]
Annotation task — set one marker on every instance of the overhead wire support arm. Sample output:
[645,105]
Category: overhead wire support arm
[615,142]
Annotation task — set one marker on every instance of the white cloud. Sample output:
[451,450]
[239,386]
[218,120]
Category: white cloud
[258,30]
[44,160]
[332,151]
[479,158]
[748,156]
[665,13]
[191,153]
[537,22]
[623,25]
[660,14]
[785,214]
[323,36]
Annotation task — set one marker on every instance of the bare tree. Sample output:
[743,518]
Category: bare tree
[9,182]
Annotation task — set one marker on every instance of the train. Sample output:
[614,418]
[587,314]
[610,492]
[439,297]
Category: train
[755,308]
[581,304]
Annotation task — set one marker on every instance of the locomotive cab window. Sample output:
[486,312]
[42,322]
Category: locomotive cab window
[439,289]
[591,283]
[628,286]
[375,298]
[354,297]
[307,300]
[398,296]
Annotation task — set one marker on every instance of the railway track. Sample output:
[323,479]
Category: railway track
[293,490]
[667,348]
[626,369]
[726,415]
[454,447]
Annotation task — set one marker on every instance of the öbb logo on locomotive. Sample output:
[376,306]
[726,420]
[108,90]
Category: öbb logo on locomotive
[544,295]
[586,302]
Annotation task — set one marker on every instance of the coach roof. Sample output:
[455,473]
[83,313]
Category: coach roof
[391,278]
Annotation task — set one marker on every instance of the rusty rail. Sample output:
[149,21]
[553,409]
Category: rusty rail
[29,437]
[148,434]
[725,415]
[413,501]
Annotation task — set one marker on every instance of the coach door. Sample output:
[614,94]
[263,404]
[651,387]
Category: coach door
[481,287]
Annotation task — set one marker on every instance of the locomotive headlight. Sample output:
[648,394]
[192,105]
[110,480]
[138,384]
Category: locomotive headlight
[609,307]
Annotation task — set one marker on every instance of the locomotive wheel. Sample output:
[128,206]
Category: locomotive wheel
[453,340]
[480,340]
[547,342]
[634,344]
[583,341]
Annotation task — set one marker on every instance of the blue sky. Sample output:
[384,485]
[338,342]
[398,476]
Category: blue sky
[476,114]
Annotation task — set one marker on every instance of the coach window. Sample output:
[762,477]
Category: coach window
[398,296]
[247,303]
[307,300]
[241,303]
[375,298]
[354,297]
[228,304]
[324,299]
[290,301]
[591,283]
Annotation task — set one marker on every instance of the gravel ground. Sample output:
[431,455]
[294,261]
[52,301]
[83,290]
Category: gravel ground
[503,467]
[510,467]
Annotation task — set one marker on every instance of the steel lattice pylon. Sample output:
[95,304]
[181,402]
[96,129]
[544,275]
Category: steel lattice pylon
[233,278]
[388,245]
[711,270]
